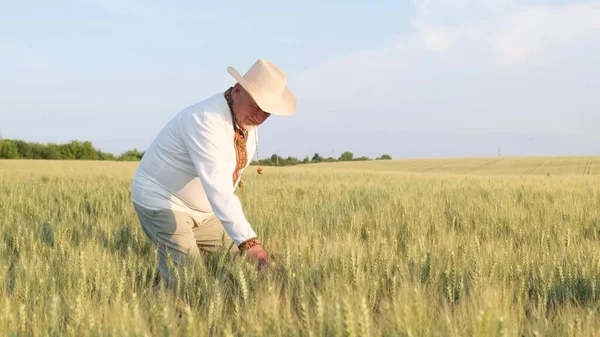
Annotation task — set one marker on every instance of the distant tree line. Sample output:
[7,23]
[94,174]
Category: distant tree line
[276,160]
[77,150]
[73,150]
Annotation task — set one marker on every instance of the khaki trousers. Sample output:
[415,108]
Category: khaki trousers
[180,235]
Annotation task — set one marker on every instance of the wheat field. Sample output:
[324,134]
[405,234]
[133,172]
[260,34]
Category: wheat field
[444,247]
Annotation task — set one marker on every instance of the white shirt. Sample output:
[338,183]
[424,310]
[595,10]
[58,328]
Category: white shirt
[189,167]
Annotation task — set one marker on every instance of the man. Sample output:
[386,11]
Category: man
[183,189]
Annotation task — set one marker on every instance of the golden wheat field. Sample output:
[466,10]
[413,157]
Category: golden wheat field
[446,247]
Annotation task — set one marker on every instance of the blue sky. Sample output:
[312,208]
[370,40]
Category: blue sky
[422,78]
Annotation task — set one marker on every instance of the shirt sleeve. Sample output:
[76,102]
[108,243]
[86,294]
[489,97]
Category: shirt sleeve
[203,137]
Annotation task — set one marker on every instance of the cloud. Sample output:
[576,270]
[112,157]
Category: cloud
[509,32]
[510,68]
[436,39]
[529,31]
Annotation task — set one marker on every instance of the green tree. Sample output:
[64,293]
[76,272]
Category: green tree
[87,151]
[288,161]
[24,148]
[385,157]
[317,158]
[37,150]
[276,160]
[8,149]
[105,156]
[346,156]
[306,160]
[131,155]
[51,151]
[70,150]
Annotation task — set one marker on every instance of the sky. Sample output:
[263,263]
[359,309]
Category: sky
[414,79]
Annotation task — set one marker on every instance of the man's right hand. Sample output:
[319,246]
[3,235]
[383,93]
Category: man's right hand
[258,254]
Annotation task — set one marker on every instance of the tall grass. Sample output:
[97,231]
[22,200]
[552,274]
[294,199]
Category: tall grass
[359,250]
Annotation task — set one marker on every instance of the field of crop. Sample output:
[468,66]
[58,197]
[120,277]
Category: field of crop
[449,247]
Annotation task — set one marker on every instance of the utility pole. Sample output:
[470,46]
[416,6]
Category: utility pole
[499,154]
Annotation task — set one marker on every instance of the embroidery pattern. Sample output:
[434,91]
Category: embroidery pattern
[249,244]
[240,139]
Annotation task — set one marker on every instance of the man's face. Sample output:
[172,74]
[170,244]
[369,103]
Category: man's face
[247,112]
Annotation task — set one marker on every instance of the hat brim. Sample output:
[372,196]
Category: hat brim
[286,106]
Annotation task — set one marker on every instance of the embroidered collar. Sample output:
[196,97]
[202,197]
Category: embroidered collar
[239,142]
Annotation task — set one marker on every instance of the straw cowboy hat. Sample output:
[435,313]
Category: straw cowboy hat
[267,85]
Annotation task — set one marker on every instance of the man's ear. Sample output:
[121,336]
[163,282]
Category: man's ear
[236,90]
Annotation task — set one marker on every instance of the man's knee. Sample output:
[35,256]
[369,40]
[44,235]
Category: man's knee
[172,234]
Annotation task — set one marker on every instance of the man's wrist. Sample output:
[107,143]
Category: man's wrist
[244,246]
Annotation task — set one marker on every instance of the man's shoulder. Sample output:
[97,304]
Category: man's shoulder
[210,113]
[212,106]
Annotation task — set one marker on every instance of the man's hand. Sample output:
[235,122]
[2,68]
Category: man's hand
[258,254]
